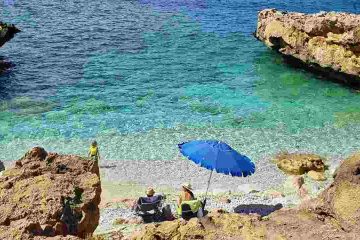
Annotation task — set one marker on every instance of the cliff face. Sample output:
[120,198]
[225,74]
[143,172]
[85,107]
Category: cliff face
[328,43]
[46,194]
[7,32]
[341,199]
[335,214]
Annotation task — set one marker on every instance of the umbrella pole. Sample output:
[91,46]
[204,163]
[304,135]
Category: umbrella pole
[207,189]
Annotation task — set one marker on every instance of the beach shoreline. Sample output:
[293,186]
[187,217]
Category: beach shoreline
[124,181]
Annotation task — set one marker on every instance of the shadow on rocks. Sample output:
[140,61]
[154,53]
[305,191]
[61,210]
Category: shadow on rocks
[261,209]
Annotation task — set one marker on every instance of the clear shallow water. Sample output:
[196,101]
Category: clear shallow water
[142,76]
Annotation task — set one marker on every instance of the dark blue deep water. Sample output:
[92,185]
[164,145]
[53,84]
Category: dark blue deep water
[141,76]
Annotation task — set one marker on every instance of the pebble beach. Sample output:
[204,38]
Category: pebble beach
[142,76]
[263,192]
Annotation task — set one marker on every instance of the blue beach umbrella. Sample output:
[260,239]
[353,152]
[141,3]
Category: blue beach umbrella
[218,156]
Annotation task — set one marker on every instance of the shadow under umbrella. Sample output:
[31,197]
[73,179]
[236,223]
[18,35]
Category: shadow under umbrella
[261,209]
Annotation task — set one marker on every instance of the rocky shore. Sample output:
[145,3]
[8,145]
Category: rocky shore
[46,195]
[334,214]
[50,195]
[326,43]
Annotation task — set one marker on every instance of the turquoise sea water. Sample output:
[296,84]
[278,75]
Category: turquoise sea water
[142,76]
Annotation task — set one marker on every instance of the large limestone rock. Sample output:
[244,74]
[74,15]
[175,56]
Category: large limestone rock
[335,214]
[342,199]
[214,226]
[328,43]
[46,194]
[299,163]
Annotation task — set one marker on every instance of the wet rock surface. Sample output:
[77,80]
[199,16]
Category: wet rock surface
[47,195]
[335,214]
[7,32]
[327,43]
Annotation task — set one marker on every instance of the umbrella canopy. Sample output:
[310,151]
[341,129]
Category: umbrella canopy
[218,156]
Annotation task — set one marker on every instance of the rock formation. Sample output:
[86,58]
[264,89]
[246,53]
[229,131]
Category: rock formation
[298,164]
[46,194]
[328,43]
[341,200]
[7,32]
[335,214]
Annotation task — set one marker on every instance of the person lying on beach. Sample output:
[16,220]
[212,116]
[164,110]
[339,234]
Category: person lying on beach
[94,153]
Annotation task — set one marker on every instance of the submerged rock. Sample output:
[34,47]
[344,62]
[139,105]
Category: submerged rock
[335,214]
[328,43]
[46,194]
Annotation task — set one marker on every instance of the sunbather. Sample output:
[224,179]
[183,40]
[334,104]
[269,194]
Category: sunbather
[188,205]
[186,193]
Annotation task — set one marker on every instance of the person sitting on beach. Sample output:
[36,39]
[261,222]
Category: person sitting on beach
[94,153]
[186,193]
[188,205]
[149,199]
[151,205]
